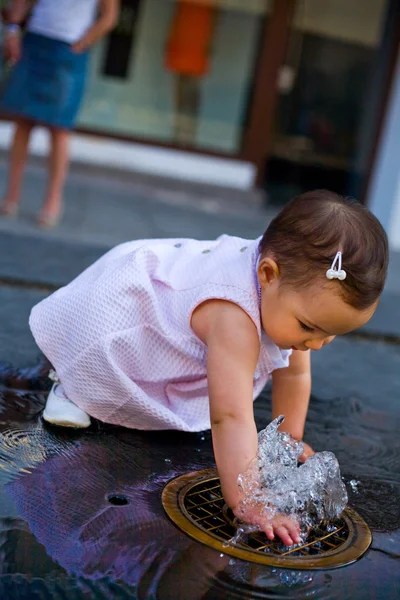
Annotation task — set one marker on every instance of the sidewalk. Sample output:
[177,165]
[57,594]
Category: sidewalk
[106,208]
[354,412]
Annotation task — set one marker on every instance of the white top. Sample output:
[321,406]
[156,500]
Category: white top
[63,20]
[119,335]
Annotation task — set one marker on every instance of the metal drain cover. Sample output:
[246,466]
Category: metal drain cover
[195,504]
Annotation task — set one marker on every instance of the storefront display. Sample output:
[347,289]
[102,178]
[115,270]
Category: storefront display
[120,42]
[293,88]
[189,76]
[188,57]
[324,123]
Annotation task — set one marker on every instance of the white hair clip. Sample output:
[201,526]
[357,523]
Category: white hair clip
[338,272]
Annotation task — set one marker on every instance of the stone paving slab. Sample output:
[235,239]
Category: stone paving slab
[17,346]
[37,260]
[386,320]
[54,262]
[393,278]
[106,210]
[359,369]
[350,367]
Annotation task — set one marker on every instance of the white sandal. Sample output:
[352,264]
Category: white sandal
[61,411]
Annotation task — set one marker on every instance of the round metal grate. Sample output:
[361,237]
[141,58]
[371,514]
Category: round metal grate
[195,504]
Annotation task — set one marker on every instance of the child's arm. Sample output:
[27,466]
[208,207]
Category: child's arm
[107,20]
[233,351]
[291,388]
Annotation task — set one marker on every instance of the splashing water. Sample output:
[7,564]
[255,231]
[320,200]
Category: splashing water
[311,493]
[354,485]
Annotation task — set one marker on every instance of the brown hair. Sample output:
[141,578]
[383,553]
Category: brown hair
[305,236]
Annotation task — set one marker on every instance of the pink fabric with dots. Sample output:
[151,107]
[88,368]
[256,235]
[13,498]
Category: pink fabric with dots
[119,335]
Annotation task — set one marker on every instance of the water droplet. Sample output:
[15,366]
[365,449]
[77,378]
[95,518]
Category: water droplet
[354,485]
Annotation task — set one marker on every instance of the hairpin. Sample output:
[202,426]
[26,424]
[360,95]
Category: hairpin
[338,272]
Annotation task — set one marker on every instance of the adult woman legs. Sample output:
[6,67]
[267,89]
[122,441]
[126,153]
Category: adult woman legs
[18,154]
[58,167]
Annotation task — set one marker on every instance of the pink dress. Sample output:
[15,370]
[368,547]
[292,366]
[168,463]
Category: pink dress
[119,335]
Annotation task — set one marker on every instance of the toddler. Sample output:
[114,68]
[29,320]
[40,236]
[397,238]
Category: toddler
[184,334]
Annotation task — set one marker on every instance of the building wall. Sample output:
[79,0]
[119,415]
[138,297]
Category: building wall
[384,193]
[355,21]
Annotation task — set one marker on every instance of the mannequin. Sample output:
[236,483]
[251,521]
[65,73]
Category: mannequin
[188,58]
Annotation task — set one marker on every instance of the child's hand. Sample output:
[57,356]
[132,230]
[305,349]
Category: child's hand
[307,452]
[284,526]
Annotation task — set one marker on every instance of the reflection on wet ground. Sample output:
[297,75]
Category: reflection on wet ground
[81,514]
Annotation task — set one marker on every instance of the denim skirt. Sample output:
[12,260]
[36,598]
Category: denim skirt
[47,83]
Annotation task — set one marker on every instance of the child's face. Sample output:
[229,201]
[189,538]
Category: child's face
[308,319]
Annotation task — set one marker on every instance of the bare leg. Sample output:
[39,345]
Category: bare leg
[58,168]
[18,154]
[187,97]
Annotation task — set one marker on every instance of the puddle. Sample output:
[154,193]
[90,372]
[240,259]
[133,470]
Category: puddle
[81,513]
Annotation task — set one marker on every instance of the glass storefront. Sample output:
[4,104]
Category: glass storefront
[329,91]
[177,72]
[201,75]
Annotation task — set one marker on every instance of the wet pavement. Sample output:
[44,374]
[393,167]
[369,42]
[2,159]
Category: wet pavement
[81,513]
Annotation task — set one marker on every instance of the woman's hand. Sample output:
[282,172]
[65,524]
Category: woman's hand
[107,20]
[80,46]
[12,48]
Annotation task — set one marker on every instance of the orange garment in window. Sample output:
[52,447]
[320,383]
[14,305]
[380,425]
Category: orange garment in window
[189,42]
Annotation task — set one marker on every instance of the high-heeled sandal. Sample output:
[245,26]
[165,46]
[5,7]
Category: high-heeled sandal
[48,220]
[9,210]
